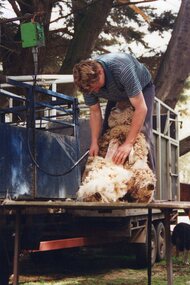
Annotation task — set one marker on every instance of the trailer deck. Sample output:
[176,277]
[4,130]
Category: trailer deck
[157,204]
[42,140]
[165,206]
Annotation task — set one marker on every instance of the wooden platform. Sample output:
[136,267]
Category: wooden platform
[14,204]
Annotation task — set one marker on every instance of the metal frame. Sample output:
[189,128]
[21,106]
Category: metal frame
[25,100]
[32,92]
[162,133]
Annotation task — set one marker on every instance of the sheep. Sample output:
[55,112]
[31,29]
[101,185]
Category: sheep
[181,240]
[119,133]
[103,181]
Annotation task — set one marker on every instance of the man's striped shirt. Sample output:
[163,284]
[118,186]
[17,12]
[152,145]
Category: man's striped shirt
[125,77]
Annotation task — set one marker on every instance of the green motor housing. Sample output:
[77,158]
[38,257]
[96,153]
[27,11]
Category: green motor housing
[32,35]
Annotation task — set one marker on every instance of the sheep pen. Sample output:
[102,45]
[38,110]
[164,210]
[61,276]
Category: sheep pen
[104,181]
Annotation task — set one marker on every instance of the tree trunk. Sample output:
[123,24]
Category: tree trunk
[175,66]
[88,26]
[184,146]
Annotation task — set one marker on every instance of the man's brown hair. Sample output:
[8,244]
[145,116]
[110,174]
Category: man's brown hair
[85,73]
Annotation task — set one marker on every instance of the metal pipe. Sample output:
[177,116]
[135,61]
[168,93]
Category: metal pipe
[168,248]
[16,249]
[149,246]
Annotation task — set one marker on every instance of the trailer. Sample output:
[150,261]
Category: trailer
[44,146]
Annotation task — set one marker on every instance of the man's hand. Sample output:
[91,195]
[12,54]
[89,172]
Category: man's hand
[122,153]
[94,149]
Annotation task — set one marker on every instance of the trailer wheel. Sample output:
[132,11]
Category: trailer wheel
[161,241]
[142,250]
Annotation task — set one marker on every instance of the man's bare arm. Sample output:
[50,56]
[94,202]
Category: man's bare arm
[95,126]
[139,115]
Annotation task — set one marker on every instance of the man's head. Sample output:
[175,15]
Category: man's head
[88,76]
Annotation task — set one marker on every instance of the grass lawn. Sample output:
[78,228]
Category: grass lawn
[96,268]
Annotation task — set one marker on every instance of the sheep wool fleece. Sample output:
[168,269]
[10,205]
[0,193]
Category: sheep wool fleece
[103,181]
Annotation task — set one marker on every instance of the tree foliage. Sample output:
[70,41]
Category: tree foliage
[84,27]
[163,22]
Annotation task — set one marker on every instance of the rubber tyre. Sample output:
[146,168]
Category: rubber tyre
[142,250]
[161,241]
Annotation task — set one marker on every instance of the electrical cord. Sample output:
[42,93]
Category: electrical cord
[55,174]
[33,159]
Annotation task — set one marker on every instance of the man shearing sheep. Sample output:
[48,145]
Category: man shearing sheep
[117,77]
